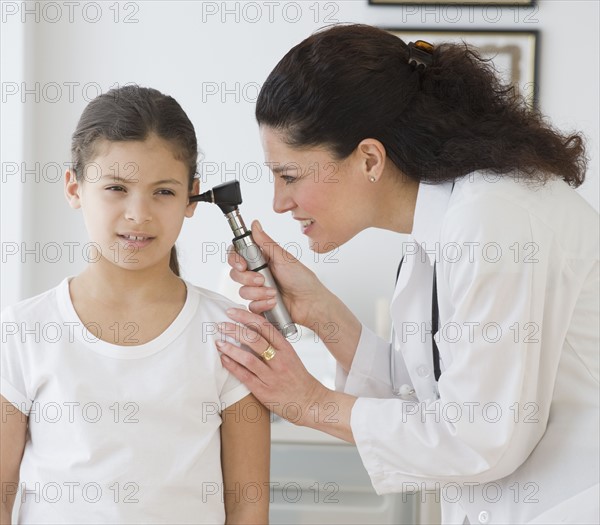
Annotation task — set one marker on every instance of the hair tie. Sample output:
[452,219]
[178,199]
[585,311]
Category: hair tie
[420,53]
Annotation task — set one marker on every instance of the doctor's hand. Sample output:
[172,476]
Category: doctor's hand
[300,288]
[272,371]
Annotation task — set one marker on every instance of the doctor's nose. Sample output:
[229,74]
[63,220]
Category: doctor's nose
[282,202]
[138,211]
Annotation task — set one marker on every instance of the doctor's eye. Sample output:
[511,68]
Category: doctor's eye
[288,179]
[165,192]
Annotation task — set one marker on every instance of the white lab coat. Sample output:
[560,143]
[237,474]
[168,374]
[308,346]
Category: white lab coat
[513,437]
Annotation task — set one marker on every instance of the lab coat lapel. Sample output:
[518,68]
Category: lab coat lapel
[411,303]
[431,207]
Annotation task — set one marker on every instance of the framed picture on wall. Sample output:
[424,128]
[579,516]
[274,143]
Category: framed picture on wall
[505,3]
[513,53]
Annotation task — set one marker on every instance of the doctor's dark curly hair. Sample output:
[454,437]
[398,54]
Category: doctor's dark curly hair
[351,82]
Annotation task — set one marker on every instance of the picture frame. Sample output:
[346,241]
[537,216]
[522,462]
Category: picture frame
[496,3]
[514,53]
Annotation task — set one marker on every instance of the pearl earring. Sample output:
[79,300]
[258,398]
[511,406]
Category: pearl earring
[372,179]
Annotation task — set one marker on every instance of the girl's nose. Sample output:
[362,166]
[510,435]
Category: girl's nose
[138,211]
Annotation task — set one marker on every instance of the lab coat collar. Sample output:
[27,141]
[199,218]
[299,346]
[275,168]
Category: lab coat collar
[431,206]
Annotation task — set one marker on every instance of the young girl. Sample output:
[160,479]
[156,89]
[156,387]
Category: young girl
[120,411]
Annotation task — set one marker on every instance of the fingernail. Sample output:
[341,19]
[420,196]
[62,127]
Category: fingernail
[225,359]
[258,226]
[231,312]
[271,292]
[272,302]
[239,267]
[258,280]
[220,344]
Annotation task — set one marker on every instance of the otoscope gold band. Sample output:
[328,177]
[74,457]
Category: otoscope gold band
[269,353]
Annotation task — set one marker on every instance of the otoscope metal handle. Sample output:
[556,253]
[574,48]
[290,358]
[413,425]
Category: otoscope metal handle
[228,196]
[278,316]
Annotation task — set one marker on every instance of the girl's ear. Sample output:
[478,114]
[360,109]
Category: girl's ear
[191,207]
[72,190]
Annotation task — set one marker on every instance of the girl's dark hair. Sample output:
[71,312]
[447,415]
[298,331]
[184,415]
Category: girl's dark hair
[351,82]
[134,113]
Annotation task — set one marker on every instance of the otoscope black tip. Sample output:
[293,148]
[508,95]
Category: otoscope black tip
[207,196]
[226,196]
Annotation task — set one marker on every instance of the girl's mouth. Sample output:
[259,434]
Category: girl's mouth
[137,241]
[136,237]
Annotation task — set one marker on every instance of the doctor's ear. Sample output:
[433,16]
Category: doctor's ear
[372,156]
[72,189]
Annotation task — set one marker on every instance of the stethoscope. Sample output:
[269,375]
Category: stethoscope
[405,391]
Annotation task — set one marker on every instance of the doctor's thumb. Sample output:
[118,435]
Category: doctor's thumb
[261,238]
[269,247]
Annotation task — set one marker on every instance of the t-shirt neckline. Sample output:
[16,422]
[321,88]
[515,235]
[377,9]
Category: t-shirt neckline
[85,336]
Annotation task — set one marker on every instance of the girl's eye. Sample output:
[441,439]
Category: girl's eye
[166,192]
[115,188]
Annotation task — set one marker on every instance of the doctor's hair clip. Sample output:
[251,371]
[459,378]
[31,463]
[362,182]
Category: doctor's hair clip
[420,54]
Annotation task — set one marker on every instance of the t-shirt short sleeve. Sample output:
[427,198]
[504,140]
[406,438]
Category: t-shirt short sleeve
[13,382]
[232,391]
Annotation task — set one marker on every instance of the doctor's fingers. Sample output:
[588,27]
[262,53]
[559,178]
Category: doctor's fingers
[245,367]
[266,385]
[239,270]
[278,376]
[257,369]
[289,373]
[258,293]
[257,323]
[235,260]
[245,335]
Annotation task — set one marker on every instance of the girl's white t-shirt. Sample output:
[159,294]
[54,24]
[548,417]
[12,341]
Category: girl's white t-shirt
[117,434]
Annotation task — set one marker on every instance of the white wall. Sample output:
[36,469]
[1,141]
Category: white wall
[189,49]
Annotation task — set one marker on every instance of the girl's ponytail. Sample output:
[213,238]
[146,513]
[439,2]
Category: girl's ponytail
[173,262]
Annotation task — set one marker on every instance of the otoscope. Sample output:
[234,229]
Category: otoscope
[228,197]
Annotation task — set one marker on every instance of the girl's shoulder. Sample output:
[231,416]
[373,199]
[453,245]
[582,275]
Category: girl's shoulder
[210,298]
[43,305]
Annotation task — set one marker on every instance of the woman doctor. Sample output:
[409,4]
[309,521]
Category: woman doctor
[499,411]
